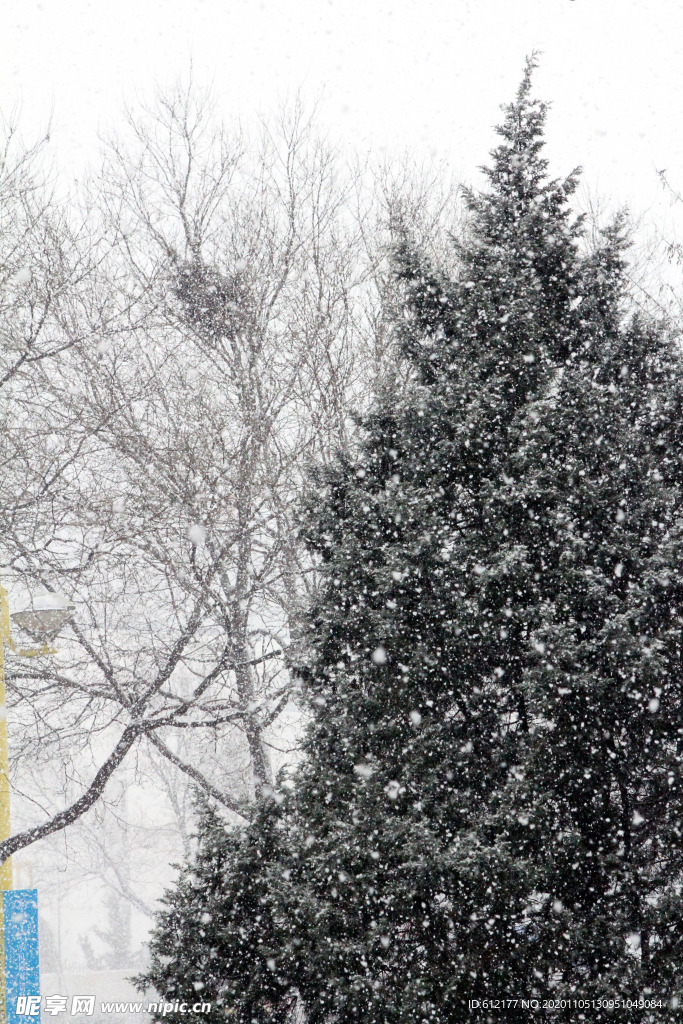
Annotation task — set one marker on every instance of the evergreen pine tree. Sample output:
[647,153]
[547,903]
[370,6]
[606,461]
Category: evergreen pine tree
[601,781]
[490,801]
[218,930]
[416,897]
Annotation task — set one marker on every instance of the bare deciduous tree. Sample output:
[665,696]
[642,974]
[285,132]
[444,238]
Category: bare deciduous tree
[211,358]
[221,314]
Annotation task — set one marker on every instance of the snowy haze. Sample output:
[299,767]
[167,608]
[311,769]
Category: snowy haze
[425,74]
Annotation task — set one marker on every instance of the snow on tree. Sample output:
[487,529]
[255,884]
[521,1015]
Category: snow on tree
[490,801]
[221,913]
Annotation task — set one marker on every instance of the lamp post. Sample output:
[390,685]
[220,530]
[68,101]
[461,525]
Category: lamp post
[42,618]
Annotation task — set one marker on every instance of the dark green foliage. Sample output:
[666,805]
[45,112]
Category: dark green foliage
[490,802]
[214,938]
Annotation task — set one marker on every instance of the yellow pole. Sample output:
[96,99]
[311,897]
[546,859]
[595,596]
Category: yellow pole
[6,868]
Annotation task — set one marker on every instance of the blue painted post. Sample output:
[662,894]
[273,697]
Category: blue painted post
[22,965]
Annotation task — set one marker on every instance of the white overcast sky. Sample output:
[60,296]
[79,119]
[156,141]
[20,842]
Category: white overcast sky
[427,74]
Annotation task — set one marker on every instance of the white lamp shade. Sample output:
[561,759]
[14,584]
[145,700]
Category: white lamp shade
[44,615]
